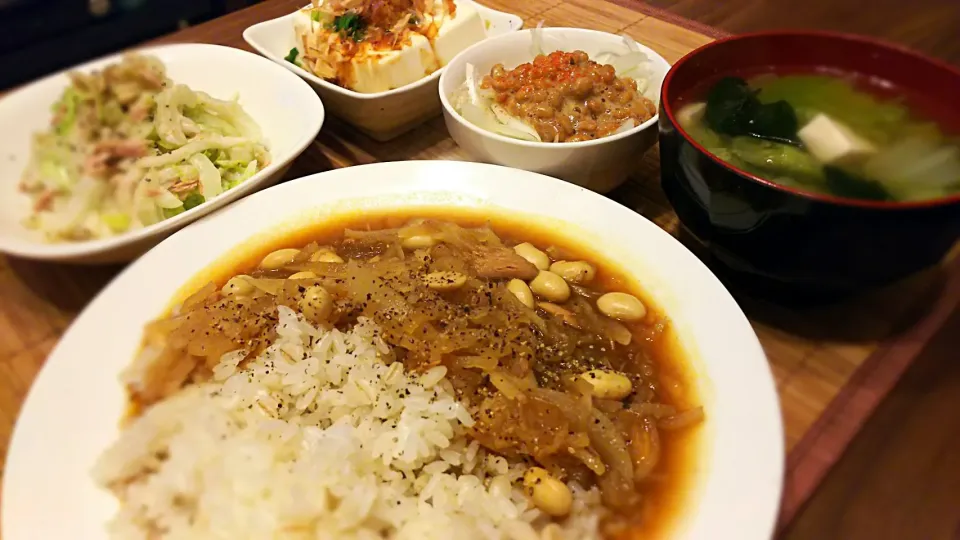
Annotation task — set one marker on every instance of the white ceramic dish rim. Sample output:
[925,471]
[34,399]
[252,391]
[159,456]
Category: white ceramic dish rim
[70,250]
[654,56]
[738,492]
[433,77]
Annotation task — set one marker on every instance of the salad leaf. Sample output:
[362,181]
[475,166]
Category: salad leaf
[170,212]
[210,182]
[192,200]
[169,116]
[117,221]
[231,112]
[66,111]
[233,179]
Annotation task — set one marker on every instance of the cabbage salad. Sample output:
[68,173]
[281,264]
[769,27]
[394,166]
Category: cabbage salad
[127,148]
[479,106]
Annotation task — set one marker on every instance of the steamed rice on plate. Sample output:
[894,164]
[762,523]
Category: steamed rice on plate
[406,376]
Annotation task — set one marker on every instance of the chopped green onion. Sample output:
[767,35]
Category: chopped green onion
[292,56]
[350,25]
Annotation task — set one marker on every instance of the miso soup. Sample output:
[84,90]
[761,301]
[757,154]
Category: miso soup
[826,134]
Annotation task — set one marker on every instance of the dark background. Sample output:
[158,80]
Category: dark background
[42,36]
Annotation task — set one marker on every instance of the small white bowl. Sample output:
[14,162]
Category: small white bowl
[72,411]
[287,111]
[381,115]
[599,165]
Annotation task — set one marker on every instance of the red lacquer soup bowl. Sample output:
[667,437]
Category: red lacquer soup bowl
[786,240]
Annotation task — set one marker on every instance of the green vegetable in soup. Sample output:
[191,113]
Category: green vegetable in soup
[876,120]
[776,159]
[734,109]
[716,144]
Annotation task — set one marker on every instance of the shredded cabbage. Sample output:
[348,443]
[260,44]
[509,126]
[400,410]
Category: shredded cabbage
[477,107]
[127,148]
[536,40]
[634,64]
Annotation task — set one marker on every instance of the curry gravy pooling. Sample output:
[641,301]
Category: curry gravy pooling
[664,492]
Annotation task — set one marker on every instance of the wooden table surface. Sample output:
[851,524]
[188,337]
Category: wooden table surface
[900,479]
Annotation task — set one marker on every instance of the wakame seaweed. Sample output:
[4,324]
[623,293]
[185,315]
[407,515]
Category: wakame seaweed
[734,109]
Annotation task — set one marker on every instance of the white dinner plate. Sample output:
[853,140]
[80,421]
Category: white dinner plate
[288,112]
[72,410]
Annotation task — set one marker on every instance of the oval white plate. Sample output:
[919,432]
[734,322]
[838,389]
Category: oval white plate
[288,112]
[72,410]
[382,115]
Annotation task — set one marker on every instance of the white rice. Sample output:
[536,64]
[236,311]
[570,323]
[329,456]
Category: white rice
[318,438]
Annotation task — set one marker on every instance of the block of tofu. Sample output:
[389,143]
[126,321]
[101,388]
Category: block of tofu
[367,69]
[379,71]
[370,70]
[690,114]
[832,142]
[458,32]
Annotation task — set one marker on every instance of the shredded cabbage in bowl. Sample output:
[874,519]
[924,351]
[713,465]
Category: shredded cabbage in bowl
[478,105]
[127,148]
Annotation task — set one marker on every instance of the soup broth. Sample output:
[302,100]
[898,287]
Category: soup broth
[827,133]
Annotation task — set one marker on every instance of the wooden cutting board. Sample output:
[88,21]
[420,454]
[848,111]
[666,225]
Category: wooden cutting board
[832,365]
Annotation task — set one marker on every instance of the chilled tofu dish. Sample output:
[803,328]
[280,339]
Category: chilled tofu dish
[375,46]
[839,135]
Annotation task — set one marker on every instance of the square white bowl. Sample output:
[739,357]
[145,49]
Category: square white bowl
[287,111]
[381,115]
